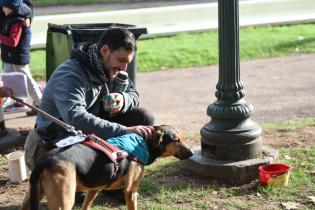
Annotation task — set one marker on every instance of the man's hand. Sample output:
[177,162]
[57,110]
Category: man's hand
[144,131]
[119,99]
[4,92]
[26,22]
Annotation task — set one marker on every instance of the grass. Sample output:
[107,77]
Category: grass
[3,160]
[289,125]
[201,49]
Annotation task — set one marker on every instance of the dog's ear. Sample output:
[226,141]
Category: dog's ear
[158,136]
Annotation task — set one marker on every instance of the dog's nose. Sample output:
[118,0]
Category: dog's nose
[185,154]
[189,153]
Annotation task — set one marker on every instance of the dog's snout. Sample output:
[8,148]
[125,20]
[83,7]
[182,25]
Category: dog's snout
[190,153]
[185,153]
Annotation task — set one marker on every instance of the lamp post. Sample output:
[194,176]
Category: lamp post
[231,143]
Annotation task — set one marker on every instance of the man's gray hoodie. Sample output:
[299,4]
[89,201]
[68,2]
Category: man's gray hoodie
[73,94]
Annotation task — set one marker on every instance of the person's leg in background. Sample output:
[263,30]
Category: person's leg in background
[11,105]
[33,88]
[3,130]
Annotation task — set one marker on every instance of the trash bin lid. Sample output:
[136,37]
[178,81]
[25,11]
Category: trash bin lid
[92,32]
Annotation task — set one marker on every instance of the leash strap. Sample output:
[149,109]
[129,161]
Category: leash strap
[66,126]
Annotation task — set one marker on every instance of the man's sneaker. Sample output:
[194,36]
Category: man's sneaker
[15,107]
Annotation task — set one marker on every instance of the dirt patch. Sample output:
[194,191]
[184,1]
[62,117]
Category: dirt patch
[11,195]
[300,137]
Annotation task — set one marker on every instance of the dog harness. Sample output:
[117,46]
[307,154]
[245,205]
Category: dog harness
[129,145]
[110,151]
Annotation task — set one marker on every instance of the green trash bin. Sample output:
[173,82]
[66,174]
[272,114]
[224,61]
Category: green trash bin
[61,39]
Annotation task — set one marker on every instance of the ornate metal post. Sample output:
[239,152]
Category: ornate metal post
[231,144]
[230,135]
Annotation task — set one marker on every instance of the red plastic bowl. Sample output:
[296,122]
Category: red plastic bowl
[272,170]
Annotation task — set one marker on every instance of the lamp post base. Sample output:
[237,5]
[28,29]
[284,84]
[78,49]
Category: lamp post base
[235,172]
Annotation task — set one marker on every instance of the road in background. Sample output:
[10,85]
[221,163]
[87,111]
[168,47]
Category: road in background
[184,18]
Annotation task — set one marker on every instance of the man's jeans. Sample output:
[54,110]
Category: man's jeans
[34,149]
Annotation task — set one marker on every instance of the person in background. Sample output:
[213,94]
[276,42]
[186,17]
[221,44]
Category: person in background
[4,92]
[25,13]
[15,40]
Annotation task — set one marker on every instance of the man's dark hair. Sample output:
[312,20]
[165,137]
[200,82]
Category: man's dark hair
[116,38]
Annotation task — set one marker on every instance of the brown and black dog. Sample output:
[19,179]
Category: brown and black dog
[63,171]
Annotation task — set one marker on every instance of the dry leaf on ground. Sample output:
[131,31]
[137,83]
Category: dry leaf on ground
[312,199]
[290,205]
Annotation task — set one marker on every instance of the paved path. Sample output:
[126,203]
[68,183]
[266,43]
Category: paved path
[279,88]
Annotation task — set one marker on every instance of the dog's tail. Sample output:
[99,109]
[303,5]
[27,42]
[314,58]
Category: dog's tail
[35,185]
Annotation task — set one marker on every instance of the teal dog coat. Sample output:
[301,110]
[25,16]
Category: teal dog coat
[134,144]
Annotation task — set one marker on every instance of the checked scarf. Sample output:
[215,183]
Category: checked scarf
[89,55]
[95,58]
